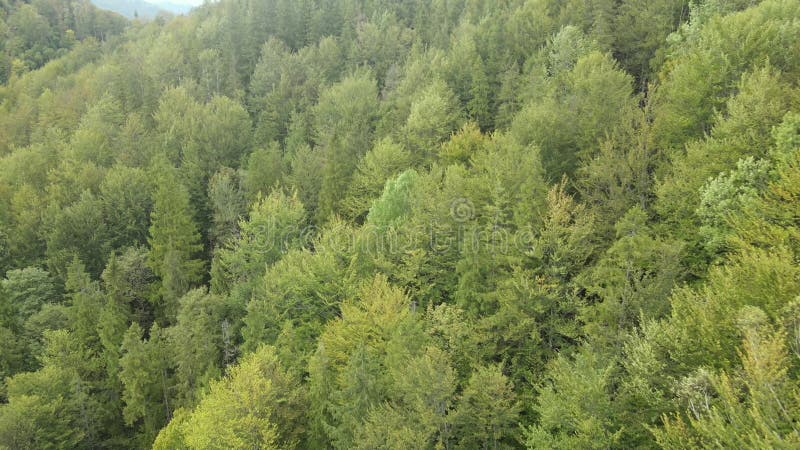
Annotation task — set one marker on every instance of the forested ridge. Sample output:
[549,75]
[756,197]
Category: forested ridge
[33,33]
[375,224]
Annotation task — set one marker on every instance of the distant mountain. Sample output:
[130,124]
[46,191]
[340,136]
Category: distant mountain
[174,8]
[132,8]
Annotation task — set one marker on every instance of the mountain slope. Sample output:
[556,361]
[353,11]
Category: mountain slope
[403,224]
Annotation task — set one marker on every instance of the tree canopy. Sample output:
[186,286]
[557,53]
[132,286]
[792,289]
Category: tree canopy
[381,224]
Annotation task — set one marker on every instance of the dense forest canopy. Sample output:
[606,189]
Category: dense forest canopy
[33,33]
[402,224]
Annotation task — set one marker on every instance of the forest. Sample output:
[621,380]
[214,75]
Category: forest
[401,224]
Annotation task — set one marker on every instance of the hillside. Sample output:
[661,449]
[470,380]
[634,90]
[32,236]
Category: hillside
[428,224]
[33,33]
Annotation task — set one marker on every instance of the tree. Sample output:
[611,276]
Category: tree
[433,116]
[641,31]
[276,224]
[621,174]
[257,405]
[174,242]
[227,204]
[220,136]
[725,197]
[196,343]
[463,145]
[348,372]
[24,293]
[575,406]
[40,412]
[393,205]
[64,401]
[264,171]
[487,412]
[698,79]
[28,289]
[579,106]
[754,409]
[97,136]
[126,196]
[147,383]
[745,130]
[343,125]
[384,161]
[85,301]
[305,176]
[114,317]
[297,296]
[78,231]
[632,280]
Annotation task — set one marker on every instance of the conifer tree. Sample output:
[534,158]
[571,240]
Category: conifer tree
[145,373]
[343,124]
[174,242]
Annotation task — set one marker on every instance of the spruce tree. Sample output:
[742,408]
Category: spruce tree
[174,242]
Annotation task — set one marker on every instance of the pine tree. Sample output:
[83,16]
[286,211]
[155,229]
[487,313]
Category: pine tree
[632,280]
[575,406]
[227,205]
[196,342]
[147,383]
[174,242]
[343,122]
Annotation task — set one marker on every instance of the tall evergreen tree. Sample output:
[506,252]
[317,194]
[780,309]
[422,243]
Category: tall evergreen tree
[174,242]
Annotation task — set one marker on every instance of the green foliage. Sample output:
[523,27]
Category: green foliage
[27,290]
[760,103]
[257,405]
[400,224]
[487,412]
[574,108]
[632,280]
[196,341]
[127,200]
[392,206]
[263,171]
[349,369]
[78,231]
[433,116]
[754,409]
[724,197]
[343,125]
[227,203]
[296,297]
[575,405]
[24,296]
[276,224]
[41,412]
[705,70]
[174,241]
[380,164]
[34,33]
[146,379]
